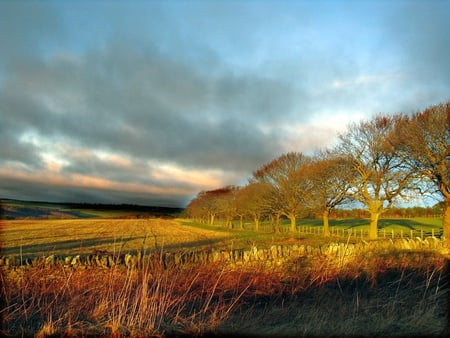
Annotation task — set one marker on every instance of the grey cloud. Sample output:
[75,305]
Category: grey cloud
[14,151]
[88,163]
[418,33]
[159,108]
[43,191]
[422,30]
[155,89]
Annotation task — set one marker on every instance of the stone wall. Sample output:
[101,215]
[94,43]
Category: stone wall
[271,254]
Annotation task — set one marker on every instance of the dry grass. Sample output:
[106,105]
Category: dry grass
[82,236]
[384,292]
[118,301]
[380,293]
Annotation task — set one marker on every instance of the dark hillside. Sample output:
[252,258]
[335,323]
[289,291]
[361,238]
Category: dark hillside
[16,209]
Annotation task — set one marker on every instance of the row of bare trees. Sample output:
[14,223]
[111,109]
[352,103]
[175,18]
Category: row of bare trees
[375,162]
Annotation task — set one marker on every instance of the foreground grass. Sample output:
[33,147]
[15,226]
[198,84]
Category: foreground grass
[378,293]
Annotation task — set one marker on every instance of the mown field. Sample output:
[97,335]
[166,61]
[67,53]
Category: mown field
[83,236]
[29,237]
[384,291]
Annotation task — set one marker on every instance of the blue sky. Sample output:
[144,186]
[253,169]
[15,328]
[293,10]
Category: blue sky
[150,102]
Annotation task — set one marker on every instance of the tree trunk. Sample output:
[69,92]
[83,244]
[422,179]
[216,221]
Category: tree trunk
[326,224]
[276,227]
[373,228]
[241,222]
[229,223]
[446,221]
[212,219]
[275,220]
[256,218]
[293,223]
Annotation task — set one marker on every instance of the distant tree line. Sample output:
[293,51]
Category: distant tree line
[375,163]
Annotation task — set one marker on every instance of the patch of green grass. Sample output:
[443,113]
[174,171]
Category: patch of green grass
[98,213]
[432,221]
[238,237]
[310,230]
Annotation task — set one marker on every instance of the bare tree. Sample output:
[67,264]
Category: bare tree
[254,200]
[283,174]
[425,144]
[212,203]
[195,209]
[241,207]
[226,202]
[331,180]
[380,174]
[203,207]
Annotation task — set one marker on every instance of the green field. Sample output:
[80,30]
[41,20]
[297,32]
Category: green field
[401,227]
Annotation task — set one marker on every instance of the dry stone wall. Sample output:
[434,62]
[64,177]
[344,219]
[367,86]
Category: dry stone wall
[272,254]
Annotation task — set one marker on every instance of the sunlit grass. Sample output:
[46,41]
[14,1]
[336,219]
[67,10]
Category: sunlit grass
[82,236]
[383,292]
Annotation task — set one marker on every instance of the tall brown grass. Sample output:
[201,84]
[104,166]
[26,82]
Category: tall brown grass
[150,301]
[383,293]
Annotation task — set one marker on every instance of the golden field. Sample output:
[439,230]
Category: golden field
[82,236]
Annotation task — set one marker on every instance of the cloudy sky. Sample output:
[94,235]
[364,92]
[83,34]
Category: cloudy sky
[150,102]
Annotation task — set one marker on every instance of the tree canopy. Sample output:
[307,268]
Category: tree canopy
[376,162]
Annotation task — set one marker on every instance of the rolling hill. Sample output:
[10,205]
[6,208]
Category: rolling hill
[17,209]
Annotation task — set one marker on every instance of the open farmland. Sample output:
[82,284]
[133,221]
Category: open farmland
[322,287]
[83,236]
[28,238]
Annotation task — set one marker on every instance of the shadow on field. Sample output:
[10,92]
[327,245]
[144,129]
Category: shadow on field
[382,223]
[397,302]
[348,224]
[89,245]
[407,223]
[82,246]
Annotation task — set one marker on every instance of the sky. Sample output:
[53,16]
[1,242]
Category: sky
[151,102]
